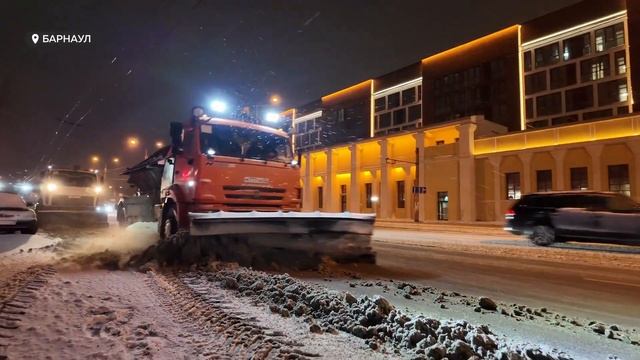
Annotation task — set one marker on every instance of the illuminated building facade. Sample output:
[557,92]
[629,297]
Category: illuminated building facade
[545,105]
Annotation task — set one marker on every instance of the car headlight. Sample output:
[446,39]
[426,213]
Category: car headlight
[98,189]
[52,187]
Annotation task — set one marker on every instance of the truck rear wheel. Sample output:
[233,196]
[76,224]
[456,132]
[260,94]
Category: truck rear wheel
[543,235]
[169,223]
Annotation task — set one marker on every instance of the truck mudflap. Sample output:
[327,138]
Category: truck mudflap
[298,240]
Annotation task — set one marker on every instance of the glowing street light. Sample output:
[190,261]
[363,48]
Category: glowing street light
[272,116]
[133,142]
[95,159]
[218,106]
[275,99]
[116,160]
[159,144]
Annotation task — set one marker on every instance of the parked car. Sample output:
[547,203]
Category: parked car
[577,215]
[15,215]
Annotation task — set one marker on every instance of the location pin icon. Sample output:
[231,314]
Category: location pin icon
[35,38]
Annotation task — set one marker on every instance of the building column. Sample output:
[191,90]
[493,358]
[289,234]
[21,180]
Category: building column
[385,191]
[527,186]
[354,193]
[422,178]
[635,173]
[328,194]
[307,191]
[558,157]
[595,151]
[467,171]
[497,187]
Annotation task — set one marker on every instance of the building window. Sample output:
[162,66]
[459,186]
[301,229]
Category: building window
[563,76]
[597,114]
[547,55]
[443,205]
[393,101]
[549,104]
[320,198]
[536,82]
[609,37]
[343,198]
[439,142]
[544,180]
[409,96]
[399,117]
[415,113]
[368,192]
[579,178]
[621,62]
[385,120]
[341,115]
[527,61]
[400,199]
[576,47]
[513,185]
[611,92]
[381,104]
[529,108]
[578,99]
[564,119]
[619,179]
[594,69]
[537,124]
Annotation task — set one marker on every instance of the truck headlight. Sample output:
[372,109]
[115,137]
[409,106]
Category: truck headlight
[51,187]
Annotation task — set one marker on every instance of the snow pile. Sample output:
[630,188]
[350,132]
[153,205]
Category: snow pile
[111,249]
[375,320]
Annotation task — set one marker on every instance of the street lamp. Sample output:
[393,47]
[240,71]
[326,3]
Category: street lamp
[218,106]
[272,116]
[95,159]
[275,99]
[159,144]
[133,142]
[116,160]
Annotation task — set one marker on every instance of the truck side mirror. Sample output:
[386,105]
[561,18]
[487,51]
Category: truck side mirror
[175,132]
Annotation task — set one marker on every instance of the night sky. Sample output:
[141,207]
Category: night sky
[150,61]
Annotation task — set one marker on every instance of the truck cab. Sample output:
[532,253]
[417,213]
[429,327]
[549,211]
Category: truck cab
[227,165]
[74,193]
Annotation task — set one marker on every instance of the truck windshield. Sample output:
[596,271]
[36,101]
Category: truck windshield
[223,140]
[73,178]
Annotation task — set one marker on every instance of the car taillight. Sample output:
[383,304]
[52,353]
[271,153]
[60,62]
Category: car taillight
[510,214]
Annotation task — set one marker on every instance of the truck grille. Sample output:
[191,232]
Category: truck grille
[65,201]
[253,188]
[253,196]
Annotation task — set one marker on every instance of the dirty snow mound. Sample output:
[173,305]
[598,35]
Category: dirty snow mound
[373,319]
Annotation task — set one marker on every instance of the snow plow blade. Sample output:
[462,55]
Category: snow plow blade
[300,240]
[71,219]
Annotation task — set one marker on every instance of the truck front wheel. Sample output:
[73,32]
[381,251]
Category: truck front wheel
[169,223]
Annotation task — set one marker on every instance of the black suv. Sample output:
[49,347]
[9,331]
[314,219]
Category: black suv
[579,215]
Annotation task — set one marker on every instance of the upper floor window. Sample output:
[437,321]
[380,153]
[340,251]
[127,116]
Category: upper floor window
[381,103]
[576,47]
[595,69]
[547,55]
[409,96]
[393,101]
[621,62]
[609,37]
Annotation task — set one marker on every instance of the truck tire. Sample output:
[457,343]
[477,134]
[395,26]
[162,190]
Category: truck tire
[169,223]
[32,229]
[543,235]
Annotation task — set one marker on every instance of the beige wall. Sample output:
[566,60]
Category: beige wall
[595,147]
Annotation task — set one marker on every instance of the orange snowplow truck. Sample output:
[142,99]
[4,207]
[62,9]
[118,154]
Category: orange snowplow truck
[228,182]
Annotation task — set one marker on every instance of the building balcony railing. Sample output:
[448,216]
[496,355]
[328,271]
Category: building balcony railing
[563,135]
[441,150]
